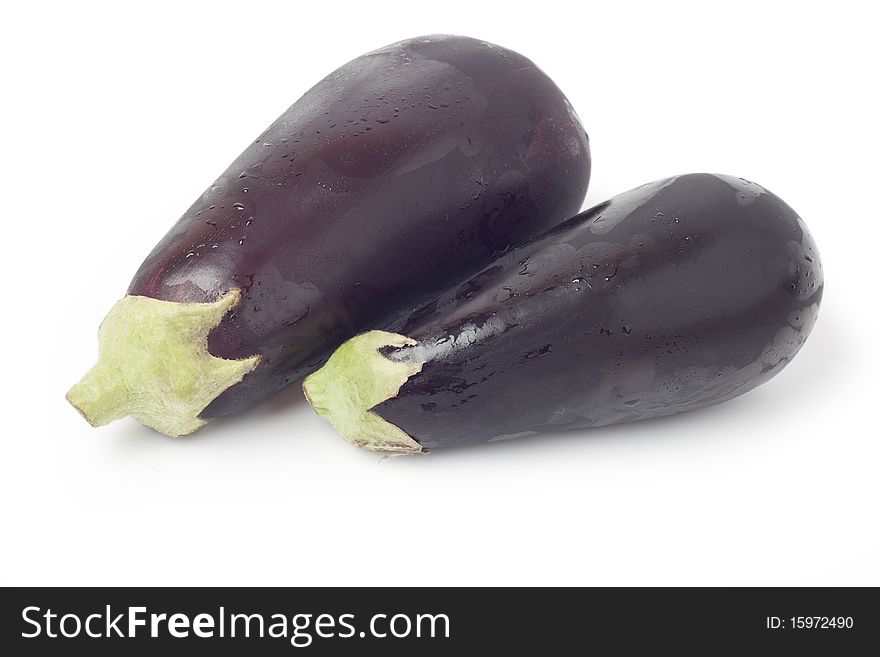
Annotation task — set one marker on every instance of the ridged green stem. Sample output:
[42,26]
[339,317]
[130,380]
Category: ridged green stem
[354,380]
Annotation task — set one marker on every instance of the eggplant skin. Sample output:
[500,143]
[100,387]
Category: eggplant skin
[673,296]
[375,191]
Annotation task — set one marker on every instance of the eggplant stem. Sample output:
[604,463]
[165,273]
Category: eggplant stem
[355,380]
[154,364]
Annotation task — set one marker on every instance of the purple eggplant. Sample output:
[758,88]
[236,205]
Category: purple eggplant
[373,193]
[676,295]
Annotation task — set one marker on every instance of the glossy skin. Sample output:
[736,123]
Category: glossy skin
[673,296]
[381,185]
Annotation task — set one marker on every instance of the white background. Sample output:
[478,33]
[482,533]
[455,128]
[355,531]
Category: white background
[114,119]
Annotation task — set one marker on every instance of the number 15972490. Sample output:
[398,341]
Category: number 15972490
[809,623]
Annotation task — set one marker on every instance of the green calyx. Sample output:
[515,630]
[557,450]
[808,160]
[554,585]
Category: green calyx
[356,379]
[153,364]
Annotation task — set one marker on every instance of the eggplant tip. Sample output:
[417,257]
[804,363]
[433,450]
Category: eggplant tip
[355,380]
[73,399]
[154,365]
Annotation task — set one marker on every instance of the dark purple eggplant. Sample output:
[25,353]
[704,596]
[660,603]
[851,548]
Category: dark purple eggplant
[673,296]
[371,194]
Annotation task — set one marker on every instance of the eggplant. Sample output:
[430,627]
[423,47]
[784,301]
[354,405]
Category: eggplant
[673,296]
[370,195]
